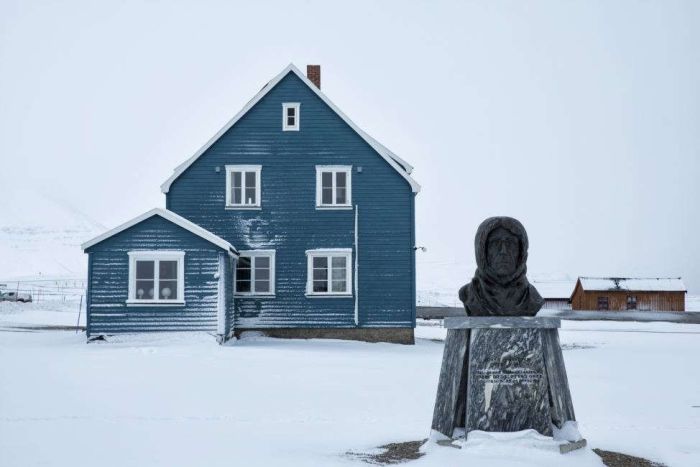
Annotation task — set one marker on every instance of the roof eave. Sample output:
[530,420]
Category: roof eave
[169,216]
[398,164]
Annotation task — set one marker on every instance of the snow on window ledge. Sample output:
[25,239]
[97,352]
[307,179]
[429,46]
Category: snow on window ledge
[328,295]
[253,295]
[155,302]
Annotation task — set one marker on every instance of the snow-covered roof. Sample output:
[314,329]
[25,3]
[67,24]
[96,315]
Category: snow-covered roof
[555,289]
[400,165]
[633,284]
[170,216]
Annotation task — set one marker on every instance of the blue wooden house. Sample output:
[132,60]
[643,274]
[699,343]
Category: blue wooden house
[291,220]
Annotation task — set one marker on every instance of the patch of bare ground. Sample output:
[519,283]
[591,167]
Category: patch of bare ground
[617,459]
[392,453]
[576,346]
[398,453]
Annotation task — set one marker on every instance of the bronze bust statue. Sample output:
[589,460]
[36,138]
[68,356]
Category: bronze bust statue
[499,286]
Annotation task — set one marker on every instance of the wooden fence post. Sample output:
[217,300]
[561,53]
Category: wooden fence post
[80,308]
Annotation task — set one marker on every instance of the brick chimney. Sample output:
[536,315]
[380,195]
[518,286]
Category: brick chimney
[313,72]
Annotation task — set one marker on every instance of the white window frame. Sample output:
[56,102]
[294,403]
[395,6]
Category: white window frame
[254,254]
[334,169]
[297,116]
[328,253]
[156,256]
[230,169]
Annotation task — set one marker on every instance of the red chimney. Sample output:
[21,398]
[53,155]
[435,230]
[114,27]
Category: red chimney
[313,72]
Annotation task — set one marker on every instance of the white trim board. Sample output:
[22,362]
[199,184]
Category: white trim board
[257,169]
[333,169]
[156,256]
[401,166]
[271,254]
[285,107]
[329,252]
[221,299]
[169,216]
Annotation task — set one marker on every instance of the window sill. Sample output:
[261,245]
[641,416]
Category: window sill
[334,208]
[335,295]
[155,303]
[244,208]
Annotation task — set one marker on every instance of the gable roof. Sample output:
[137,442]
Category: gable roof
[400,165]
[633,284]
[554,289]
[169,216]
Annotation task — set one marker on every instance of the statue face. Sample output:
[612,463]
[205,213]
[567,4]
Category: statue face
[502,251]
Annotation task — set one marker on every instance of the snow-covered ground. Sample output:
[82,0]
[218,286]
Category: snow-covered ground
[42,313]
[182,400]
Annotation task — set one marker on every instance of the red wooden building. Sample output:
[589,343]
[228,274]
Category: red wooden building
[622,293]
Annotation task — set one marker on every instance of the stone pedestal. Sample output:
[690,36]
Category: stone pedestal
[507,384]
[502,374]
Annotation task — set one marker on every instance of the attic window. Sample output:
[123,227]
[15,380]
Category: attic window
[290,116]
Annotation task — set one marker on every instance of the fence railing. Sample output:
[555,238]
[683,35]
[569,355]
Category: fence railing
[47,289]
[433,312]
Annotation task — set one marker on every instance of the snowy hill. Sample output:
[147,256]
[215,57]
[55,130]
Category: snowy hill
[40,236]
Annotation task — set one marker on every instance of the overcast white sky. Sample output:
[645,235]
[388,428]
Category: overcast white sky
[581,119]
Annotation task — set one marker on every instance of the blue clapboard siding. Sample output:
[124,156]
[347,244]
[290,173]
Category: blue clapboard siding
[289,222]
[109,279]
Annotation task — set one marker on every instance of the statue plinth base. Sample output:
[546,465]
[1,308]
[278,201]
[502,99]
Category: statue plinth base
[502,374]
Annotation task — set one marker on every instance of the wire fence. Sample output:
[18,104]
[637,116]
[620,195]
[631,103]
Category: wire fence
[63,289]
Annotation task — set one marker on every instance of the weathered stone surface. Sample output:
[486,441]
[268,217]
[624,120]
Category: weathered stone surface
[572,446]
[499,322]
[507,387]
[562,408]
[451,392]
[504,363]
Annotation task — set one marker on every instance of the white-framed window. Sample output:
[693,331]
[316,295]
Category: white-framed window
[243,186]
[290,116]
[329,272]
[156,277]
[333,186]
[255,273]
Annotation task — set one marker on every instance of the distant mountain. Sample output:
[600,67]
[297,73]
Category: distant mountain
[41,236]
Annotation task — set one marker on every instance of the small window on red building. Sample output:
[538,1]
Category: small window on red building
[631,302]
[603,303]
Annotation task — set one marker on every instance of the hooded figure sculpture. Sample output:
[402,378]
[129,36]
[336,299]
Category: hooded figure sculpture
[499,286]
